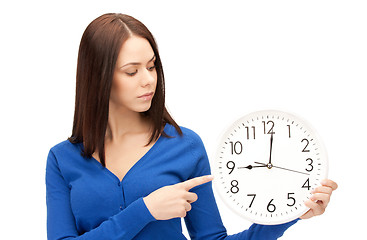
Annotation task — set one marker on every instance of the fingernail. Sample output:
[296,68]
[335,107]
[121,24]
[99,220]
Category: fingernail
[210,177]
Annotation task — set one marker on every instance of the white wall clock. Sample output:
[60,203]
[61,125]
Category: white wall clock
[266,165]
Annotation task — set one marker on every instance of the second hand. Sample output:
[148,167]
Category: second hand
[283,168]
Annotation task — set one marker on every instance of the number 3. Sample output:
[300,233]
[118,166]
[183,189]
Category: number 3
[310,164]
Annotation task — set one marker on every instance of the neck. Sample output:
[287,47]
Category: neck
[122,122]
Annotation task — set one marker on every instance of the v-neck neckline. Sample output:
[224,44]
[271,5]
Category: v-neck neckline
[139,162]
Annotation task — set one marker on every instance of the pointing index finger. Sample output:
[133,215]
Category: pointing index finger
[191,183]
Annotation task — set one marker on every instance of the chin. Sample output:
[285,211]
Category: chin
[143,109]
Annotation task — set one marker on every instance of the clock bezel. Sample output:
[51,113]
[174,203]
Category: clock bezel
[269,221]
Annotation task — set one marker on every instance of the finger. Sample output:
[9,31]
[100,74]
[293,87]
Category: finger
[191,197]
[323,189]
[329,183]
[187,207]
[307,215]
[322,199]
[316,208]
[187,185]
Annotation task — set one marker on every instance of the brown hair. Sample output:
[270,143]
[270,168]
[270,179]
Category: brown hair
[98,52]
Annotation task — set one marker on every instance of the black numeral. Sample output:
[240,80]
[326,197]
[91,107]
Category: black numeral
[310,164]
[234,188]
[291,198]
[307,184]
[231,165]
[236,147]
[248,132]
[305,148]
[253,198]
[289,131]
[271,207]
[271,123]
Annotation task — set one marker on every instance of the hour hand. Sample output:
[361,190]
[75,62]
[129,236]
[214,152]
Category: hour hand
[251,167]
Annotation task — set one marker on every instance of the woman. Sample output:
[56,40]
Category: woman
[129,171]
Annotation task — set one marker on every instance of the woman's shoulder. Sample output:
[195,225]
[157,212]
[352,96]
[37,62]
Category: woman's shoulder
[65,145]
[66,150]
[189,139]
[187,133]
[67,156]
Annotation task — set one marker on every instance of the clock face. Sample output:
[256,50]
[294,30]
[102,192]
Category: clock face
[266,165]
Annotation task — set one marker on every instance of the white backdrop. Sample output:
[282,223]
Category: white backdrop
[222,59]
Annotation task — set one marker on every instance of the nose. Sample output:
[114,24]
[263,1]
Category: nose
[148,78]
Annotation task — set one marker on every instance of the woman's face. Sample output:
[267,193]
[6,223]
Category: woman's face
[135,77]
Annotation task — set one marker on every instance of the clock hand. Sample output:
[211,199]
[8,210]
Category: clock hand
[271,147]
[291,170]
[271,166]
[251,167]
[263,164]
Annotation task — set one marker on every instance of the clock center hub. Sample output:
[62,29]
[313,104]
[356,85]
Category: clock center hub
[269,165]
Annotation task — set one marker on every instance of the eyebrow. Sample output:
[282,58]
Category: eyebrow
[138,63]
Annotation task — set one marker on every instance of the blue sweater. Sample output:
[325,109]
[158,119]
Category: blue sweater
[87,201]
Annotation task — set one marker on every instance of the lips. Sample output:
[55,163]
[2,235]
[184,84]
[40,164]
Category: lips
[147,96]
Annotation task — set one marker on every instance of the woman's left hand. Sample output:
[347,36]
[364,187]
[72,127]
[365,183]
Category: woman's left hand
[320,199]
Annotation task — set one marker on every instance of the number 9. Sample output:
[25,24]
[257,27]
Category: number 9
[231,165]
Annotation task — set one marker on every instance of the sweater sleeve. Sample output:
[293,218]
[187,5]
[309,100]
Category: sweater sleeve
[204,221]
[61,222]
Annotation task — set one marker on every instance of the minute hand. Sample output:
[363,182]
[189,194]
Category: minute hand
[271,147]
[283,168]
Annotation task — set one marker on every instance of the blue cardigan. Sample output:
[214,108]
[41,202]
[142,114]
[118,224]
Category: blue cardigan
[87,201]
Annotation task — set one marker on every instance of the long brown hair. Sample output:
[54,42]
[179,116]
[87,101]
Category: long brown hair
[98,52]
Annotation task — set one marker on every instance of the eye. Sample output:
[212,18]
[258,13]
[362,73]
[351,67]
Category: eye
[132,73]
[152,68]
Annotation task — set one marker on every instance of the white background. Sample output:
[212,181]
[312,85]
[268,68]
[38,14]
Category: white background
[222,59]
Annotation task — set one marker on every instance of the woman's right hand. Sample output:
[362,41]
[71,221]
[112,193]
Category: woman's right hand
[175,200]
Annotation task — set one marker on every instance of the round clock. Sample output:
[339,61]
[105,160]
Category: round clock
[267,164]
